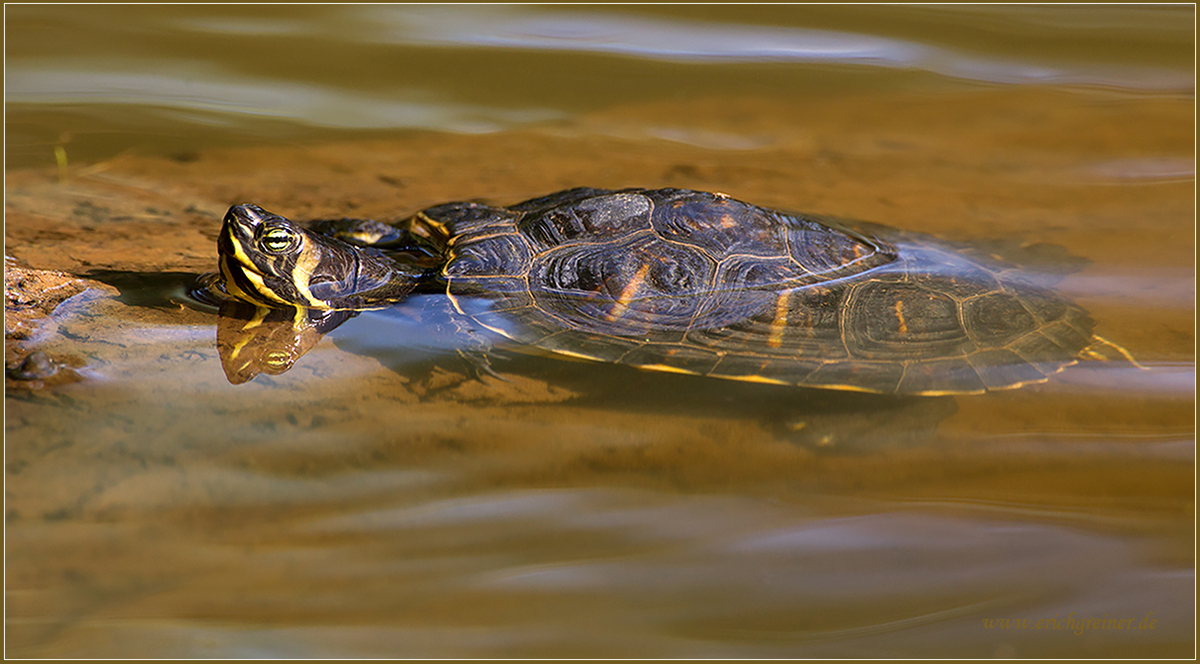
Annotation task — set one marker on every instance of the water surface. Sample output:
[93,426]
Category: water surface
[379,499]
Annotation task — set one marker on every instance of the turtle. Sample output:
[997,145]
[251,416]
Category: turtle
[681,281]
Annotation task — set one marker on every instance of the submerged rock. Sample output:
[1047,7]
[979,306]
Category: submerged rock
[36,366]
[30,297]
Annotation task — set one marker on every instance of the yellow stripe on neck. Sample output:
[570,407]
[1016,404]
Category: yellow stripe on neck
[306,262]
[231,284]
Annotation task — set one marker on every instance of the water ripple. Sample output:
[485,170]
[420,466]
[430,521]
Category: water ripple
[696,41]
[244,95]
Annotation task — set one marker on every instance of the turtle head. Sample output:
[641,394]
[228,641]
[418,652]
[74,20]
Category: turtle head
[270,261]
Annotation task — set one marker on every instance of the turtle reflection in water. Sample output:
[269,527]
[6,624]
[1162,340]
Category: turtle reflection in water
[667,280]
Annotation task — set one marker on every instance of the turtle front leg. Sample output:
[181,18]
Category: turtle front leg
[380,235]
[477,348]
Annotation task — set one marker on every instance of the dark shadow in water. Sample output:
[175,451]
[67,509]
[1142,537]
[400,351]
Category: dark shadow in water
[155,290]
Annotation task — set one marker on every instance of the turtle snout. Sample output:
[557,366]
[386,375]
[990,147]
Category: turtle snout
[246,215]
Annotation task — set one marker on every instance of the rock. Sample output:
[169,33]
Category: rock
[36,366]
[30,296]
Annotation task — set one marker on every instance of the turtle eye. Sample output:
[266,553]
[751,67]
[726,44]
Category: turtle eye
[277,359]
[278,240]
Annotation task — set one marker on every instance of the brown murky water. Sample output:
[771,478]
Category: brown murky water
[378,501]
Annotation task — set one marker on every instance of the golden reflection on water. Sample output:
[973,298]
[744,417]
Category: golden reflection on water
[377,501]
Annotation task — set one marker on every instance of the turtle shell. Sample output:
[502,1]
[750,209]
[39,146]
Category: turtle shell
[700,283]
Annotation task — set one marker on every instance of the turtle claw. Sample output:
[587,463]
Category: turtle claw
[1093,351]
[480,363]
